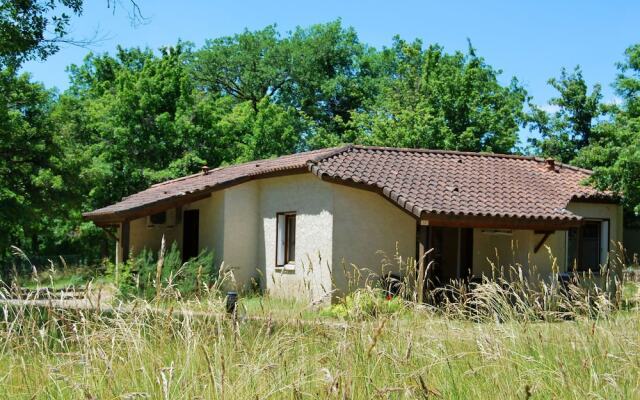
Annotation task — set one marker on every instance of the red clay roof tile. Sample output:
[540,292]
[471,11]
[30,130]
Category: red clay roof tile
[432,182]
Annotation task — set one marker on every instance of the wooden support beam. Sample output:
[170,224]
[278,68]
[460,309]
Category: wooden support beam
[544,239]
[456,221]
[109,233]
[579,245]
[422,233]
[124,240]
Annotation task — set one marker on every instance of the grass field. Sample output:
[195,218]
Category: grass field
[290,351]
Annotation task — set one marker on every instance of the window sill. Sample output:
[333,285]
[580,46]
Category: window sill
[287,267]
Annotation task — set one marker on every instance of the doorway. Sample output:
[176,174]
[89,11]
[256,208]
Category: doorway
[452,254]
[190,234]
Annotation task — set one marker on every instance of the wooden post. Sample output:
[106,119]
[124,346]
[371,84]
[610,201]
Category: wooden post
[159,266]
[423,261]
[124,240]
[459,254]
[579,245]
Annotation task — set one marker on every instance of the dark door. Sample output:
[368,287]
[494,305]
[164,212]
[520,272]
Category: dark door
[466,253]
[191,225]
[445,254]
[452,254]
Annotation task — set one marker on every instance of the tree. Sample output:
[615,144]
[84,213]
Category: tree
[615,154]
[572,126]
[24,26]
[124,112]
[35,29]
[250,66]
[30,176]
[320,73]
[602,137]
[333,76]
[428,98]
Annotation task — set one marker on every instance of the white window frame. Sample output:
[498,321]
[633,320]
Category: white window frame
[281,238]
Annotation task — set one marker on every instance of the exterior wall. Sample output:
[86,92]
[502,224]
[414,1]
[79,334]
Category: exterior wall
[239,234]
[210,232]
[612,212]
[368,233]
[312,201]
[142,236]
[211,224]
[338,228]
[494,254]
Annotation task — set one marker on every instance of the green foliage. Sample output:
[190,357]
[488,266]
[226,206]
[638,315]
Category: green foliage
[573,126]
[431,99]
[32,171]
[364,304]
[317,76]
[602,137]
[33,29]
[138,116]
[615,157]
[137,277]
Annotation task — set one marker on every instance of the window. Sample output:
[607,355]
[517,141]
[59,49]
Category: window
[159,218]
[286,238]
[588,246]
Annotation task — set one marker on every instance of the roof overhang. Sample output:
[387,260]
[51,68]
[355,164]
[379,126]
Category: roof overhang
[128,210]
[104,219]
[115,218]
[499,222]
[453,220]
[601,199]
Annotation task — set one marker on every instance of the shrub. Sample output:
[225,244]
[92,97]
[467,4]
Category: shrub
[365,303]
[137,277]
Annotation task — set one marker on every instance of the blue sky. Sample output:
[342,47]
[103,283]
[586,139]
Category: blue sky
[531,40]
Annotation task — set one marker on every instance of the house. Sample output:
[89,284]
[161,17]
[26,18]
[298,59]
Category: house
[296,223]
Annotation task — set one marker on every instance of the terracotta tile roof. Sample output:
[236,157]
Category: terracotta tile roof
[424,182]
[436,182]
[201,183]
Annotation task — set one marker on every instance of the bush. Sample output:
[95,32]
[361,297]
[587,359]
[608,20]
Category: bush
[365,303]
[137,277]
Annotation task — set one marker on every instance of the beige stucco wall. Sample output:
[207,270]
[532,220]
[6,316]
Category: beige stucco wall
[211,224]
[492,252]
[142,236]
[613,212]
[369,234]
[238,224]
[312,201]
[240,234]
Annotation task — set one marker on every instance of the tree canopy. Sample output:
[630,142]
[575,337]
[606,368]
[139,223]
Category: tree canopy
[428,98]
[140,116]
[588,133]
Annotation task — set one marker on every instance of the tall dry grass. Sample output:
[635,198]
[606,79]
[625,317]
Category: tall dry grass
[49,353]
[503,338]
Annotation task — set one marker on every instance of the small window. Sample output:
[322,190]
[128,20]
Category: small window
[588,246]
[286,238]
[159,218]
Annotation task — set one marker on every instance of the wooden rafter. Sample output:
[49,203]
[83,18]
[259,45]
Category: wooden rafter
[544,239]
